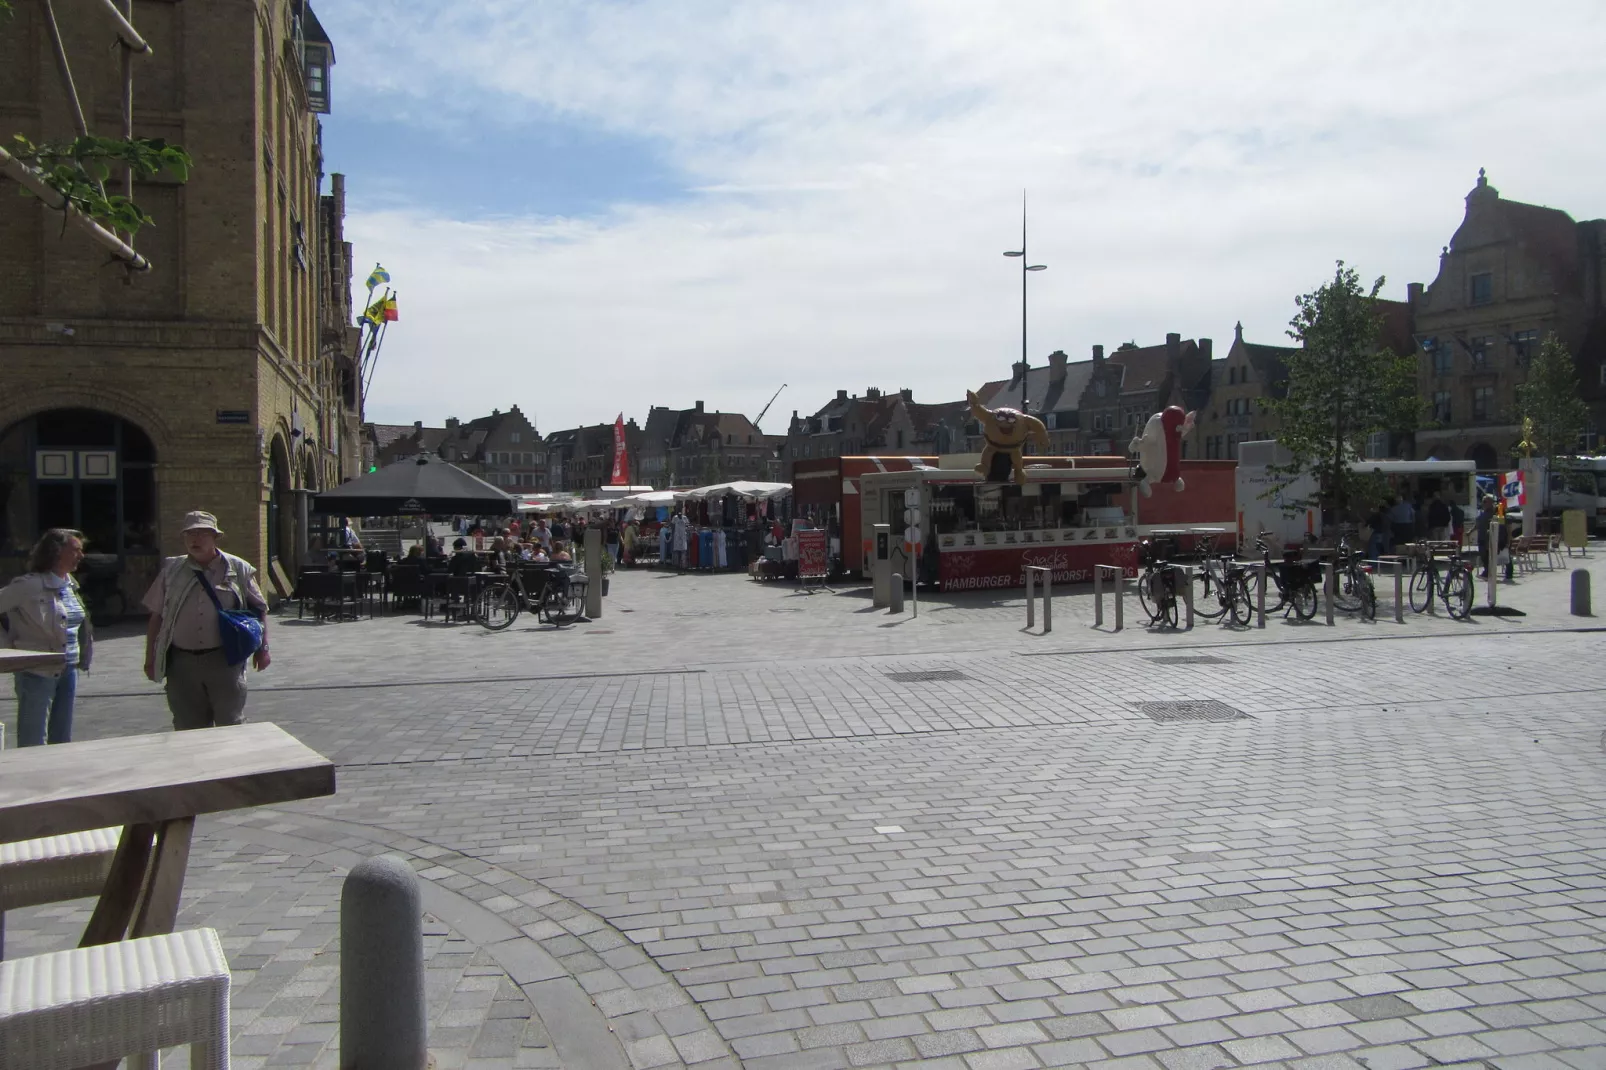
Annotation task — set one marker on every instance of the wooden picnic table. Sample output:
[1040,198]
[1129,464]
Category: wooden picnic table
[21,660]
[153,786]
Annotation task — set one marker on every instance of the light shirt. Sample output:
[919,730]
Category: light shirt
[1402,513]
[72,609]
[196,625]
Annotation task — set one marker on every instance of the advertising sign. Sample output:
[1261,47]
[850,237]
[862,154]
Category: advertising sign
[969,570]
[812,562]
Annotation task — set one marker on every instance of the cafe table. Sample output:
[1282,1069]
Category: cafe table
[154,786]
[22,660]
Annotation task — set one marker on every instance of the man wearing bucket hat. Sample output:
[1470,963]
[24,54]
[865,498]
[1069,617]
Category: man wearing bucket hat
[183,646]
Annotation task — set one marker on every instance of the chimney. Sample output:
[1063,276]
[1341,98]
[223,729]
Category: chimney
[842,395]
[1056,365]
[1017,372]
[873,392]
[907,393]
[418,426]
[1098,355]
[698,406]
[1413,294]
[1207,347]
[1173,346]
[451,423]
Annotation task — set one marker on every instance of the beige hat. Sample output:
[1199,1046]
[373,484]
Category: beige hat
[199,521]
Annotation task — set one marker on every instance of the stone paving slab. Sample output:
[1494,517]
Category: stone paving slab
[782,856]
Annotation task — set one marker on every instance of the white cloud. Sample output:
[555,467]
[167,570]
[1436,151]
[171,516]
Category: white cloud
[859,167]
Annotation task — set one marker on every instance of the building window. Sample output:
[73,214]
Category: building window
[1525,344]
[1441,406]
[1480,348]
[513,436]
[1482,402]
[1232,376]
[1377,445]
[1482,288]
[1443,361]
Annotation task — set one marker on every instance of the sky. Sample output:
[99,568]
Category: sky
[595,206]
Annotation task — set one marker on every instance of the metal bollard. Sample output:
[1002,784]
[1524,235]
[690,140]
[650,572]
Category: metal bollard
[1184,576]
[1261,596]
[1329,588]
[1035,572]
[1581,593]
[593,569]
[1098,598]
[382,1014]
[895,602]
[1114,572]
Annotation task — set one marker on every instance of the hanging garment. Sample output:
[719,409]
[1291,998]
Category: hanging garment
[719,550]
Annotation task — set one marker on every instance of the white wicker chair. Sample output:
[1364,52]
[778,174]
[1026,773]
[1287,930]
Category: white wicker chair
[92,1005]
[52,869]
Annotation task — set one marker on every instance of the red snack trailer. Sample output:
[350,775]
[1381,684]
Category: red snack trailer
[826,491]
[1071,514]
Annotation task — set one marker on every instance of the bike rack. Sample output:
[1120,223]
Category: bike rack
[1398,564]
[1259,568]
[1113,571]
[1047,576]
[1329,588]
[1184,575]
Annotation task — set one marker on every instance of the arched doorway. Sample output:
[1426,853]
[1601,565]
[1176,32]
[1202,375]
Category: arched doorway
[1483,455]
[78,468]
[281,509]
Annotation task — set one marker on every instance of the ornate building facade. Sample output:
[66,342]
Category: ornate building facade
[221,379]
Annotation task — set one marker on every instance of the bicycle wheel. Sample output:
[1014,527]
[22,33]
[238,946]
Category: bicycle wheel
[1304,601]
[497,607]
[1168,611]
[1348,583]
[1458,593]
[1368,599]
[1421,590]
[1146,597]
[552,608]
[1214,596]
[1240,598]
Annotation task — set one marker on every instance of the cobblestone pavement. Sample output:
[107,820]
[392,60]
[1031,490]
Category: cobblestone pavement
[706,833]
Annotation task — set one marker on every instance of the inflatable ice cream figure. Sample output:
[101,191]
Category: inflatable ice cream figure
[1006,432]
[1159,449]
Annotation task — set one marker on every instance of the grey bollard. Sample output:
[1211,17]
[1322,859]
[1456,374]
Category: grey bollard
[1581,592]
[594,554]
[1329,587]
[895,602]
[1030,575]
[383,1025]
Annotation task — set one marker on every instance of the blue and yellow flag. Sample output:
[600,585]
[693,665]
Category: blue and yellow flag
[374,315]
[378,277]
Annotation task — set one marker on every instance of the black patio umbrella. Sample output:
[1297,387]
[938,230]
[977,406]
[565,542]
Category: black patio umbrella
[414,487]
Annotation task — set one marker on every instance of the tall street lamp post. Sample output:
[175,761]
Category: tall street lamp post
[1025,266]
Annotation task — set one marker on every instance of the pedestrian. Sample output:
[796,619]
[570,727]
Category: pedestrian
[464,562]
[681,532]
[42,610]
[1378,543]
[183,644]
[542,534]
[348,536]
[1438,518]
[1402,521]
[1458,523]
[627,542]
[610,539]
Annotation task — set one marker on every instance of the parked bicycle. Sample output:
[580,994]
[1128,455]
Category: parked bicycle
[1157,584]
[1449,579]
[1353,588]
[1296,582]
[1224,586]
[555,593]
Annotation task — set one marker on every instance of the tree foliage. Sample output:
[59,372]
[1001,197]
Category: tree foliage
[1343,385]
[78,170]
[1550,398]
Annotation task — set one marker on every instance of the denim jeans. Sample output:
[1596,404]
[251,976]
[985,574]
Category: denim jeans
[43,700]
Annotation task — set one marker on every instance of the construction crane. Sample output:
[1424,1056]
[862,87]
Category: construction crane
[766,407]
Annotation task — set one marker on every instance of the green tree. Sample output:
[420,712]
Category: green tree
[1343,385]
[1550,399]
[78,169]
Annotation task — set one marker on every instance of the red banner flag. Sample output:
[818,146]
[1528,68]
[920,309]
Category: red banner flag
[621,460]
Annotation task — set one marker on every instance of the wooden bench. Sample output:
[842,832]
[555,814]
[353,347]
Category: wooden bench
[53,869]
[93,1005]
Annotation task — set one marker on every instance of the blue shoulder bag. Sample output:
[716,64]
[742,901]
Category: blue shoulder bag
[240,629]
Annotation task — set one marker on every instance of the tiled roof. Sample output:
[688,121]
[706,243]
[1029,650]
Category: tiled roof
[1144,368]
[385,434]
[1046,395]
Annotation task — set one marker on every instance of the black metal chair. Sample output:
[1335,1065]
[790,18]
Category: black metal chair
[321,588]
[406,585]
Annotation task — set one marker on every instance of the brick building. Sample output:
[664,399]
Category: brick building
[221,379]
[1239,382]
[503,448]
[1512,274]
[876,423]
[581,458]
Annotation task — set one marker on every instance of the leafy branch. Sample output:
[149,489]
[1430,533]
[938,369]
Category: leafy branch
[78,170]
